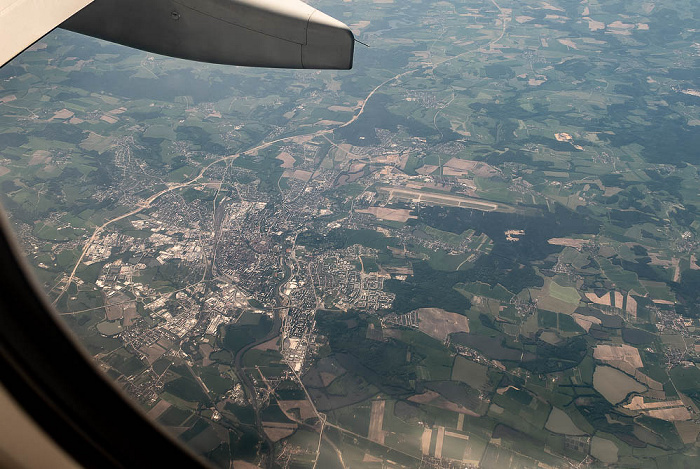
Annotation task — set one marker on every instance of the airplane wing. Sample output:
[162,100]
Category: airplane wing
[23,22]
[257,33]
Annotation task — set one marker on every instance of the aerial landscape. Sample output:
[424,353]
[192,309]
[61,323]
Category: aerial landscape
[479,248]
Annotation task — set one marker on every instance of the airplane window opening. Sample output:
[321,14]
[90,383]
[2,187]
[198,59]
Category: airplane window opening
[473,244]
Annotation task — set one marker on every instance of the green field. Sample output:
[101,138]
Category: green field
[474,374]
[566,294]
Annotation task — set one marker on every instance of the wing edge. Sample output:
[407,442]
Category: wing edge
[23,22]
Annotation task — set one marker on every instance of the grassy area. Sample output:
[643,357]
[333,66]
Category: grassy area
[566,294]
[174,416]
[186,389]
[497,292]
[214,381]
[471,373]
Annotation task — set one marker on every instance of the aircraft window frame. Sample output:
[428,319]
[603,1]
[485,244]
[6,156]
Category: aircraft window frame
[59,386]
[541,301]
